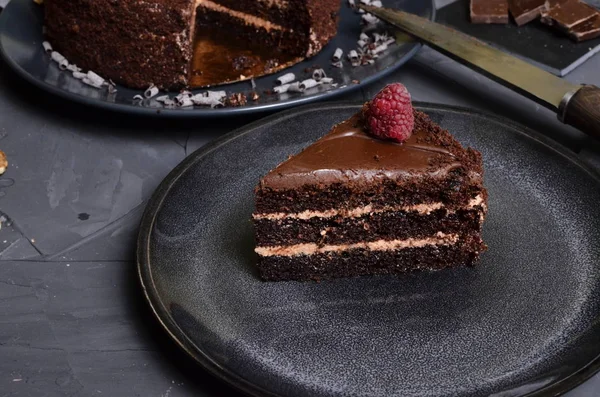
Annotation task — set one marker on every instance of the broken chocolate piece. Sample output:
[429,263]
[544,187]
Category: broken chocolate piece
[524,11]
[565,15]
[586,30]
[489,11]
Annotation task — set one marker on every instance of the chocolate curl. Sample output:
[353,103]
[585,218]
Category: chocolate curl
[94,78]
[91,83]
[338,54]
[169,103]
[186,102]
[47,47]
[281,89]
[73,68]
[202,100]
[369,19]
[308,83]
[286,78]
[216,95]
[63,65]
[295,87]
[318,74]
[152,91]
[57,57]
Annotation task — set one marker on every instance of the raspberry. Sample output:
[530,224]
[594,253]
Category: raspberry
[389,115]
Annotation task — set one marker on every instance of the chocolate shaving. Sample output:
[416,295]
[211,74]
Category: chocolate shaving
[152,91]
[318,74]
[308,83]
[337,55]
[286,78]
[295,87]
[281,89]
[369,19]
[57,57]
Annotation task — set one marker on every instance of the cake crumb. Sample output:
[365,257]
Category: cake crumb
[376,157]
[355,81]
[236,99]
[255,96]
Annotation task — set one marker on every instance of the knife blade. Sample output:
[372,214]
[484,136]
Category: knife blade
[576,105]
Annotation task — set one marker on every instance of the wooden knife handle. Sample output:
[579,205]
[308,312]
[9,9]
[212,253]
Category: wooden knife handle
[582,110]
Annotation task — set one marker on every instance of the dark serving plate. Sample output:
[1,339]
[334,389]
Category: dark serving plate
[525,321]
[21,46]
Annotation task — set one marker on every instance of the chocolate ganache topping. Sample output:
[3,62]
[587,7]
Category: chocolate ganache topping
[349,153]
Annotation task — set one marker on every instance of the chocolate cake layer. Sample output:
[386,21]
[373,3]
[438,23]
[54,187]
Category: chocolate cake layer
[136,43]
[358,262]
[347,168]
[381,226]
[315,20]
[256,34]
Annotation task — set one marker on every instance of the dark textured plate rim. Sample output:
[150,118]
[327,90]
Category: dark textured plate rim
[201,112]
[556,388]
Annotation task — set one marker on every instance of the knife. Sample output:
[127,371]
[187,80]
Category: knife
[575,105]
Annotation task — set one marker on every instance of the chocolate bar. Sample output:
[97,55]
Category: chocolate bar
[489,11]
[524,11]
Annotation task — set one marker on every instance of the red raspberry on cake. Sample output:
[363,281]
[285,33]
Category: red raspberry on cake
[389,115]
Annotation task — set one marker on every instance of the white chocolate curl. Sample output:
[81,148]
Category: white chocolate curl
[57,57]
[63,65]
[152,91]
[326,80]
[79,75]
[361,43]
[138,98]
[47,47]
[376,3]
[308,83]
[202,100]
[337,55]
[351,3]
[318,74]
[281,89]
[369,19]
[217,95]
[363,36]
[92,83]
[295,87]
[73,68]
[95,78]
[286,78]
[162,98]
[186,102]
[353,55]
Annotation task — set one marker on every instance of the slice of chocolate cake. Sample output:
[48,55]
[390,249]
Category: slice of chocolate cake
[354,204]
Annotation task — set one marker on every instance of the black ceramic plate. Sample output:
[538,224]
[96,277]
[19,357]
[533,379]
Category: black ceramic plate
[525,321]
[21,46]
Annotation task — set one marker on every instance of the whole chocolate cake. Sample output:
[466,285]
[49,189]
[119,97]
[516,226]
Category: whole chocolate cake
[354,204]
[143,42]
